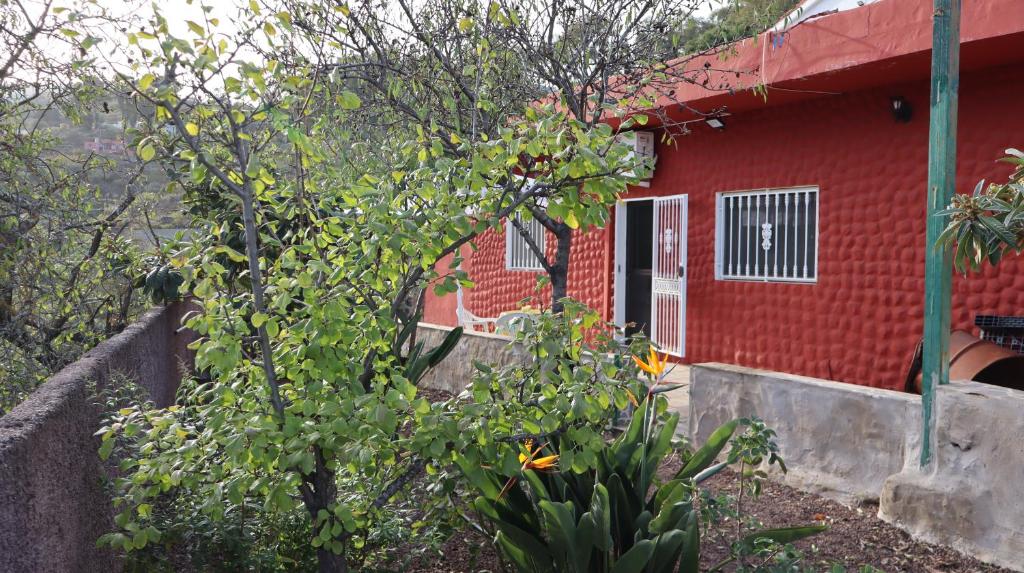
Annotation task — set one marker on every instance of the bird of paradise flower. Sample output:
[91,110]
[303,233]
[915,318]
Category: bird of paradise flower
[530,461]
[657,368]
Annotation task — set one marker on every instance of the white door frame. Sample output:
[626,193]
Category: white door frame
[619,268]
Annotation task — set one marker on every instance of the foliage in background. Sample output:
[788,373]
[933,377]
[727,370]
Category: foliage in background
[736,20]
[66,266]
[988,224]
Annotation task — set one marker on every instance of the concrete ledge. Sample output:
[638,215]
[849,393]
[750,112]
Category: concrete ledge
[53,505]
[970,496]
[456,371]
[838,440]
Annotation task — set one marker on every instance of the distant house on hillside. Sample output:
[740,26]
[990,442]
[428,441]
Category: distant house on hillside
[105,146]
[789,233]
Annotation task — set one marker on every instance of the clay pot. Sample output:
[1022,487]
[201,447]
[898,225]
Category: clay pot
[972,358]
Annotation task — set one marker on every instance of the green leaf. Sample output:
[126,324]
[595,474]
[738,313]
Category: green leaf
[258,319]
[146,151]
[146,81]
[600,511]
[706,455]
[689,561]
[561,529]
[634,560]
[349,100]
[781,535]
[667,549]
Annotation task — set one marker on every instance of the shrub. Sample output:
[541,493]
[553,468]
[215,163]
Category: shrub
[620,517]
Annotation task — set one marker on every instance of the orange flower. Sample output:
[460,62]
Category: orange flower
[655,365]
[530,461]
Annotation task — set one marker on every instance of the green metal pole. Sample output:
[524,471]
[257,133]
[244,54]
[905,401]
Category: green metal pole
[941,186]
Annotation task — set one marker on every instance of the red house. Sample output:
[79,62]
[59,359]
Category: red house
[790,235]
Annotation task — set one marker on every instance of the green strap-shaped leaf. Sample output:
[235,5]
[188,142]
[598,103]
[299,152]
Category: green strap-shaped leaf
[600,512]
[520,554]
[689,561]
[634,560]
[524,539]
[782,535]
[667,548]
[671,516]
[706,455]
[441,351]
[710,472]
[560,526]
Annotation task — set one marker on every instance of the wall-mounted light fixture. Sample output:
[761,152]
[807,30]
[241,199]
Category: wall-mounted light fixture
[715,122]
[902,111]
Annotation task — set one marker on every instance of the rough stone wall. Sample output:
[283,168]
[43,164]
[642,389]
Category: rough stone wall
[456,371]
[838,440]
[969,497]
[861,321]
[53,505]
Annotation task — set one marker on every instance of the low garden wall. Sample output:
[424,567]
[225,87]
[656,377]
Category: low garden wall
[53,504]
[456,371]
[859,444]
[838,440]
[969,497]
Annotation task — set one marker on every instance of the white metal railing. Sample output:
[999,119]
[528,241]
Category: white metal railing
[768,235]
[518,255]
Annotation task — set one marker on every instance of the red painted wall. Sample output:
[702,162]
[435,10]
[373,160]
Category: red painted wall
[860,322]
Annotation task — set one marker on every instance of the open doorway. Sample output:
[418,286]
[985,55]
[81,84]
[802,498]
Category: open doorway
[650,270]
[638,271]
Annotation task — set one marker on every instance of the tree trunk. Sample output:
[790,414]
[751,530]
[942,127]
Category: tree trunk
[329,562]
[319,491]
[560,270]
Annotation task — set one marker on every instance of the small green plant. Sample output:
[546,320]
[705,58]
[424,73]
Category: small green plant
[619,517]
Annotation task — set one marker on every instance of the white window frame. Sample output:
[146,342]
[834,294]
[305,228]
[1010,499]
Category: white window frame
[518,255]
[766,274]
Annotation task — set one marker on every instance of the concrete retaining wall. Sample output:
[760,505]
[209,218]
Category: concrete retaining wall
[859,444]
[838,440]
[970,495]
[456,371]
[53,505]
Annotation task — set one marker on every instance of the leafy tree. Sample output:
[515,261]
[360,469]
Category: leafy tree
[461,67]
[309,271]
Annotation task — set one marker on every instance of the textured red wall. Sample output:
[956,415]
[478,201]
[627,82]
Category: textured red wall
[860,322]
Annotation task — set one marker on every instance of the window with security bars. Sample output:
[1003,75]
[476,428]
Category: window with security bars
[518,254]
[768,235]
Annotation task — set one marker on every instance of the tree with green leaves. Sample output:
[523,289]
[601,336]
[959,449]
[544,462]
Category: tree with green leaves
[463,67]
[309,270]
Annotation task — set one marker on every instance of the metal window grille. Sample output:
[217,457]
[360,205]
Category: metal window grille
[768,235]
[518,255]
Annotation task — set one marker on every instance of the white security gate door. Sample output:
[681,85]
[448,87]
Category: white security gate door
[668,296]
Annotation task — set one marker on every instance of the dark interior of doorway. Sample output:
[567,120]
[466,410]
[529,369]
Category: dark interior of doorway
[639,247]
